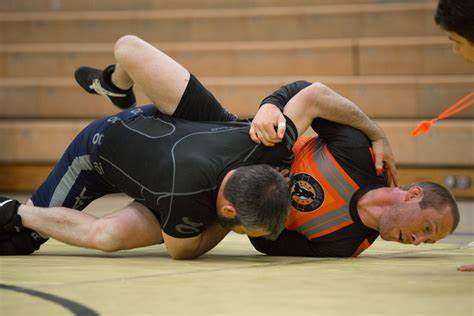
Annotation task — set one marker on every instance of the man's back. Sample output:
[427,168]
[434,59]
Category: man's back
[173,165]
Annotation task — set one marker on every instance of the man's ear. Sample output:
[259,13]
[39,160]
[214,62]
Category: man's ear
[228,211]
[414,193]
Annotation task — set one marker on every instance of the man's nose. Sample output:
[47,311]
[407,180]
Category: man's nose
[417,239]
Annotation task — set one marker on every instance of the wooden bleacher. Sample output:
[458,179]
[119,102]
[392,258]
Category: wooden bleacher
[387,56]
[238,24]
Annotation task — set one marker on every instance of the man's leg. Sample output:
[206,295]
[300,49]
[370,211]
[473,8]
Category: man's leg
[73,183]
[162,79]
[131,227]
[169,85]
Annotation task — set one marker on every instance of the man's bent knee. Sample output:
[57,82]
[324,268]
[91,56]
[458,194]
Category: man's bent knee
[125,46]
[126,40]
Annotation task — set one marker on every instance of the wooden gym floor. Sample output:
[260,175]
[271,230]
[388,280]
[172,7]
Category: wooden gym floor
[388,279]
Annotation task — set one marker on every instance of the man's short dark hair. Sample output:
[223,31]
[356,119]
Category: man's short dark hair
[261,197]
[456,16]
[437,197]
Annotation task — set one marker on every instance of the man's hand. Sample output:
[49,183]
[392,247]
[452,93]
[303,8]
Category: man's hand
[466,268]
[384,159]
[263,125]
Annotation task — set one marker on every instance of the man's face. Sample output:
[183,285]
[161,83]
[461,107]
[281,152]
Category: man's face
[235,225]
[462,46]
[407,223]
[251,232]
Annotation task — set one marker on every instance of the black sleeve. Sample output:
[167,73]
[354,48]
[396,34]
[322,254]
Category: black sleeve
[281,96]
[292,243]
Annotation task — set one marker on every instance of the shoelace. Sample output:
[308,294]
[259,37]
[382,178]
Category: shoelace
[97,87]
[424,126]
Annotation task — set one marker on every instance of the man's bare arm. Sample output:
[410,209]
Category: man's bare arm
[318,100]
[191,248]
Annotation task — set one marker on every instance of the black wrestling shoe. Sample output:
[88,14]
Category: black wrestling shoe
[23,243]
[10,221]
[98,81]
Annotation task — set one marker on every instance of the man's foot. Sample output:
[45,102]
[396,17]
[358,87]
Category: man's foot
[98,81]
[23,243]
[10,221]
[14,238]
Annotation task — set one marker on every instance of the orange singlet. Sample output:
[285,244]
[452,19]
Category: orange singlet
[321,191]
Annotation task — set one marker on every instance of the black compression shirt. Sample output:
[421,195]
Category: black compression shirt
[174,166]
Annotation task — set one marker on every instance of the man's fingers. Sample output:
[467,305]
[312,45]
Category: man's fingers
[379,163]
[263,137]
[392,169]
[281,128]
[266,134]
[266,143]
[253,135]
[392,173]
[270,133]
[390,180]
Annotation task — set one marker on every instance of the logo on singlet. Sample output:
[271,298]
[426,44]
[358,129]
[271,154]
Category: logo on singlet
[306,193]
[81,199]
[188,227]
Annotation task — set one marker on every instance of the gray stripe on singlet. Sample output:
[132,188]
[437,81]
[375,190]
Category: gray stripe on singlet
[348,189]
[325,167]
[80,163]
[344,212]
[323,218]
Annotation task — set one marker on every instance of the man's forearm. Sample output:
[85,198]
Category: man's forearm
[209,239]
[326,104]
[336,108]
[67,225]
